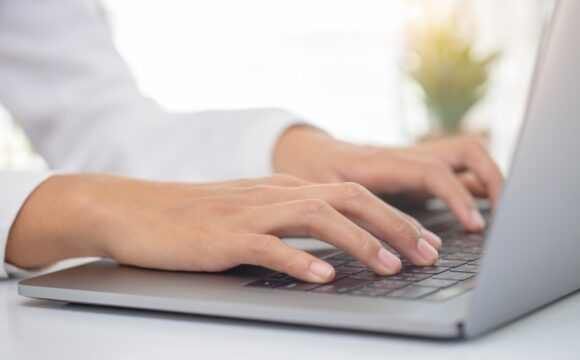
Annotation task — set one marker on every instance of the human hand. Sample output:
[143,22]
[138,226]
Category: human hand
[453,169]
[212,227]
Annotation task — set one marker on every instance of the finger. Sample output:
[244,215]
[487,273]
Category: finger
[477,159]
[269,251]
[316,218]
[432,238]
[442,182]
[387,223]
[371,213]
[473,184]
[468,153]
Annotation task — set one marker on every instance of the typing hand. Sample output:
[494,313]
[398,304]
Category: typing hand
[453,169]
[212,227]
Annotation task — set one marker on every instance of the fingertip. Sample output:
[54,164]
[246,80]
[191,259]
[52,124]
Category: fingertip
[321,272]
[390,263]
[477,221]
[433,239]
[427,252]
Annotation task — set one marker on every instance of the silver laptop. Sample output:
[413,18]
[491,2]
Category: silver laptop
[529,257]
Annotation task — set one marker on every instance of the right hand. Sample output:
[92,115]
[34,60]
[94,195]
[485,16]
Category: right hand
[213,227]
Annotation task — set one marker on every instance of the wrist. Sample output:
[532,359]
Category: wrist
[57,221]
[302,150]
[312,154]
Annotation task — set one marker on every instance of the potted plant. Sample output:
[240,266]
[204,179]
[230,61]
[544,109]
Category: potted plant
[441,59]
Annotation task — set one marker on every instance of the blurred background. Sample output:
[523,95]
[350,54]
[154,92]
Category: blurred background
[374,71]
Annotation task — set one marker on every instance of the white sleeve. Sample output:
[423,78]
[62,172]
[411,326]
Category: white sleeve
[63,81]
[15,187]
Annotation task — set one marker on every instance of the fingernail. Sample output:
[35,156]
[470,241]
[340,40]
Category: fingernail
[390,261]
[477,219]
[321,270]
[427,251]
[432,239]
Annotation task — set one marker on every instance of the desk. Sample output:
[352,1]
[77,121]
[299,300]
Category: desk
[35,329]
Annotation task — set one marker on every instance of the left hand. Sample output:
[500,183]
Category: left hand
[454,169]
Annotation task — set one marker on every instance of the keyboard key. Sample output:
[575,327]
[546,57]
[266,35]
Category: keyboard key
[466,239]
[461,256]
[349,270]
[411,292]
[396,277]
[436,283]
[342,256]
[340,275]
[367,275]
[475,237]
[341,286]
[450,263]
[279,276]
[336,262]
[428,269]
[389,284]
[467,268]
[449,234]
[298,286]
[356,264]
[407,276]
[449,249]
[411,276]
[267,283]
[472,250]
[451,275]
[369,291]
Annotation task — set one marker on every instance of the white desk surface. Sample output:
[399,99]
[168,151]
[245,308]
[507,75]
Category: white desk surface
[35,329]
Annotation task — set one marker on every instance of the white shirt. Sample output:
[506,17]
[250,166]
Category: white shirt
[63,81]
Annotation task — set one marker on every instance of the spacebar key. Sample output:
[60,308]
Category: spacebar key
[341,286]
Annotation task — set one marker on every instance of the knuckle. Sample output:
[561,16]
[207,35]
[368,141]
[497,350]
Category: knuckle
[263,246]
[475,142]
[293,260]
[415,222]
[313,208]
[438,168]
[404,229]
[353,191]
[435,171]
[363,244]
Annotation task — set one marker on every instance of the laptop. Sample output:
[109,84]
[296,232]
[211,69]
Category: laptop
[528,257]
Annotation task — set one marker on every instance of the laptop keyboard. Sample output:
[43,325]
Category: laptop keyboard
[453,274]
